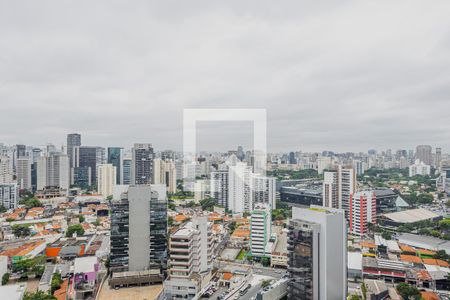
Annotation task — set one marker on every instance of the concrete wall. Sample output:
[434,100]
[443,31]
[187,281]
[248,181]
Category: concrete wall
[139,222]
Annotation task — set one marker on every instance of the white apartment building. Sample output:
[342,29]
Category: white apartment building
[106,179]
[260,230]
[239,194]
[53,170]
[363,210]
[263,190]
[190,259]
[9,195]
[338,186]
[6,171]
[165,172]
[419,168]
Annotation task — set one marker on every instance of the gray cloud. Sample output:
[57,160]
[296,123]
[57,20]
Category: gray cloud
[343,75]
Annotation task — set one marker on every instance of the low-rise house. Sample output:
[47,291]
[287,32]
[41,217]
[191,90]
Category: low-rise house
[86,277]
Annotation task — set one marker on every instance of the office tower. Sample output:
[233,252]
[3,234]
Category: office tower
[438,158]
[261,230]
[106,179]
[53,171]
[35,154]
[73,140]
[6,171]
[168,155]
[263,190]
[419,168]
[190,259]
[363,211]
[9,193]
[164,172]
[21,151]
[317,259]
[240,154]
[239,193]
[292,159]
[23,173]
[423,153]
[338,186]
[139,229]
[142,164]
[126,174]
[115,157]
[86,159]
[50,148]
[219,187]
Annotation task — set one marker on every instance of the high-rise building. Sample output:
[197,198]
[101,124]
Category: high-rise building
[219,187]
[419,168]
[142,164]
[6,171]
[87,158]
[263,190]
[239,193]
[23,173]
[126,173]
[438,158]
[9,193]
[53,171]
[292,159]
[338,186]
[21,151]
[317,259]
[139,229]
[363,211]
[424,154]
[190,249]
[106,179]
[260,230]
[168,155]
[73,140]
[164,172]
[445,173]
[115,157]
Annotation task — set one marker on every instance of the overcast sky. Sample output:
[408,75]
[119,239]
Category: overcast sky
[340,75]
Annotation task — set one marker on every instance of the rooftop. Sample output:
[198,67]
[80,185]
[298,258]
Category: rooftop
[411,215]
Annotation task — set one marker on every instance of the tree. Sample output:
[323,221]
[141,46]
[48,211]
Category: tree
[232,227]
[386,235]
[425,198]
[39,295]
[355,297]
[265,283]
[5,278]
[2,209]
[21,230]
[408,292]
[75,228]
[81,218]
[31,202]
[265,261]
[170,221]
[208,204]
[56,282]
